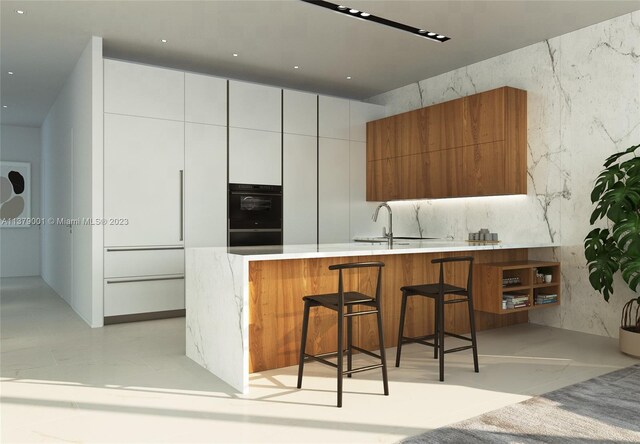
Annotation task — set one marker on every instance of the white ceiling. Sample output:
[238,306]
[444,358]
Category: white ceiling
[42,45]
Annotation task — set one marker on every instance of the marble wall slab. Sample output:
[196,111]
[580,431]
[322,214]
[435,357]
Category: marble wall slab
[583,104]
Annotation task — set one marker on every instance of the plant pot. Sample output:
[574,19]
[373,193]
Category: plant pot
[630,342]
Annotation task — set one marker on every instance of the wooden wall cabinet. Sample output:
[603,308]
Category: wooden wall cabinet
[472,146]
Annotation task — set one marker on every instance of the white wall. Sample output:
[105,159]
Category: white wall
[583,104]
[72,187]
[20,247]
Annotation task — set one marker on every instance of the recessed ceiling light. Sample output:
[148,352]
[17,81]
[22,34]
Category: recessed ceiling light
[164,40]
[10,73]
[235,55]
[353,12]
[348,77]
[19,11]
[296,67]
[4,106]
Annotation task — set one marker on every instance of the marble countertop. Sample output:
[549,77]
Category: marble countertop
[368,249]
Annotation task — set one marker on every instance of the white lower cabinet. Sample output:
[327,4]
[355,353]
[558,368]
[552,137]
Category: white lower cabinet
[255,157]
[144,294]
[333,190]
[128,262]
[300,189]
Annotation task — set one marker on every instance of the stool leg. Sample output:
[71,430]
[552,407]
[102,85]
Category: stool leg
[349,340]
[383,356]
[340,355]
[303,342]
[403,311]
[472,325]
[435,329]
[440,303]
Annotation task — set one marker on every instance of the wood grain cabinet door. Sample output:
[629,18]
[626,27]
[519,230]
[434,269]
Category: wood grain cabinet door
[483,117]
[444,125]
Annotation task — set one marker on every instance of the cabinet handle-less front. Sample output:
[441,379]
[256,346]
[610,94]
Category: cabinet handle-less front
[181,205]
[164,278]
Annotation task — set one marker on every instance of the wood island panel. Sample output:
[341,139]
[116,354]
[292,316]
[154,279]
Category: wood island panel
[276,289]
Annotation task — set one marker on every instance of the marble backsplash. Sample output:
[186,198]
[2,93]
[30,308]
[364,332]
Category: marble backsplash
[583,104]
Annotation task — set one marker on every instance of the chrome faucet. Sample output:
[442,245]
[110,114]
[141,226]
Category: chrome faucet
[388,235]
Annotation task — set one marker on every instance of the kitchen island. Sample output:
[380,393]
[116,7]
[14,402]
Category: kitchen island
[244,304]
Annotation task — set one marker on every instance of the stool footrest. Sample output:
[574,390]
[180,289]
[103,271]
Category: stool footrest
[362,369]
[419,340]
[322,360]
[458,336]
[455,301]
[360,313]
[457,349]
[366,352]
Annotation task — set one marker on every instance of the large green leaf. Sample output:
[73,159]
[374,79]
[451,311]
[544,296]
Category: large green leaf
[603,257]
[630,268]
[617,202]
[605,181]
[626,233]
[616,156]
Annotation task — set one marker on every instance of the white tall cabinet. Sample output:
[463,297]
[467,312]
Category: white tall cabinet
[164,183]
[144,165]
[300,167]
[255,134]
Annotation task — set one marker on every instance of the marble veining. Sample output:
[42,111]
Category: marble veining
[583,105]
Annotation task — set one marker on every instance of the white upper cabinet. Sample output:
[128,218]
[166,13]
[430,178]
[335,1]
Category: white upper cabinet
[254,106]
[359,114]
[361,211]
[300,112]
[333,118]
[205,99]
[205,154]
[143,181]
[333,190]
[255,157]
[300,189]
[140,90]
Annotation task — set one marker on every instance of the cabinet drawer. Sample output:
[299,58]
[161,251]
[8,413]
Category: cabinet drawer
[143,295]
[143,262]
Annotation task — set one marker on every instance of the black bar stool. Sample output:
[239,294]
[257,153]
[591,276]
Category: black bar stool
[337,302]
[438,292]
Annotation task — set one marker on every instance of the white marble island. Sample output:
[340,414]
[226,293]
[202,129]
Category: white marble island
[222,284]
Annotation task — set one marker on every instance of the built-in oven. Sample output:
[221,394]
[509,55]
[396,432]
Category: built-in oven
[255,215]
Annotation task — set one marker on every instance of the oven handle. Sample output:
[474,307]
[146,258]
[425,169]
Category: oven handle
[255,230]
[241,193]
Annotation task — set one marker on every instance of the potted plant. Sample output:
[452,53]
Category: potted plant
[617,248]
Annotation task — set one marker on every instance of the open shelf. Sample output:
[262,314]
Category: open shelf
[490,291]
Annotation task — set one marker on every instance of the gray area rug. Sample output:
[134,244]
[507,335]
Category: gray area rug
[605,409]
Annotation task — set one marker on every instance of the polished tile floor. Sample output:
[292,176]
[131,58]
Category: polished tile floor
[63,381]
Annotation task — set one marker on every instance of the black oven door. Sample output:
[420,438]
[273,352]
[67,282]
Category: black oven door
[255,207]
